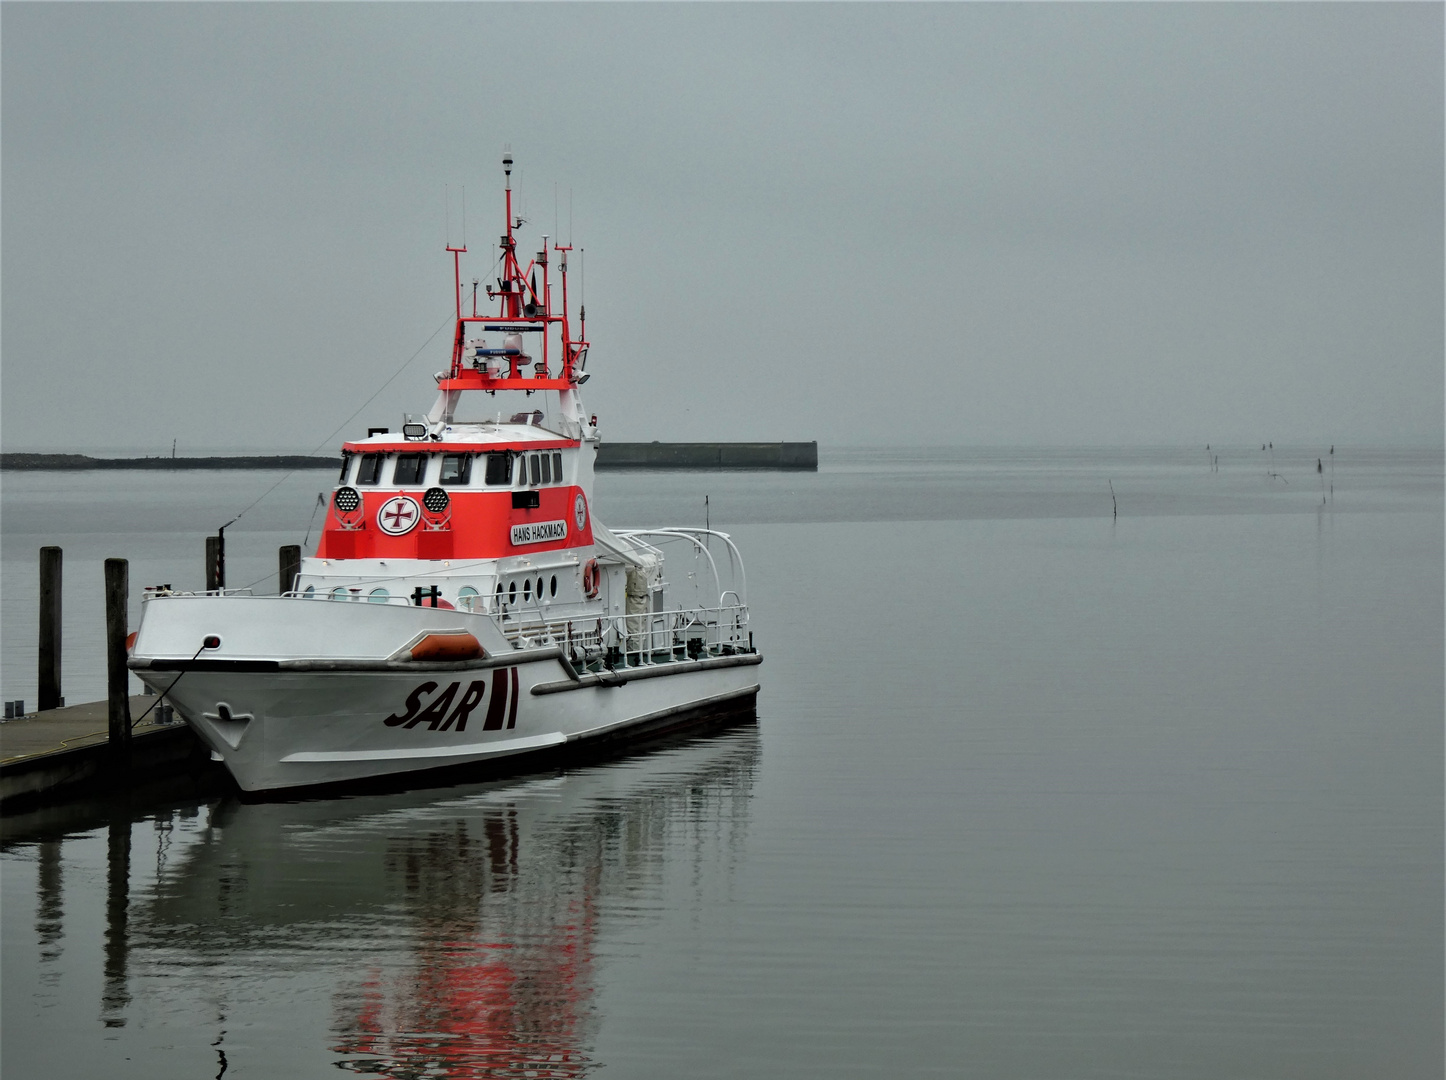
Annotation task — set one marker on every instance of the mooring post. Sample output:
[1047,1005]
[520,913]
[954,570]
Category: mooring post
[290,559]
[50,580]
[213,562]
[117,596]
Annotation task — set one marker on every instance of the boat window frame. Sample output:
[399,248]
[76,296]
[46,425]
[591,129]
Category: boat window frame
[421,474]
[504,457]
[374,462]
[557,466]
[346,457]
[464,475]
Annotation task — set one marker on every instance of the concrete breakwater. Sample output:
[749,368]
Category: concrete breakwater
[709,455]
[81,461]
[649,455]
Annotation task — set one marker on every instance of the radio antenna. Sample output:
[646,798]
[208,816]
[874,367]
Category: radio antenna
[447,215]
[464,215]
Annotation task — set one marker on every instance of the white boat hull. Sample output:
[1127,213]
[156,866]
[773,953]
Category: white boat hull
[354,715]
[307,728]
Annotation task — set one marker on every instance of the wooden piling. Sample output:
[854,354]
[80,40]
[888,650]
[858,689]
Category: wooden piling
[213,563]
[117,596]
[49,652]
[290,566]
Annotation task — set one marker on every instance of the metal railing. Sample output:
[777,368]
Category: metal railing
[640,639]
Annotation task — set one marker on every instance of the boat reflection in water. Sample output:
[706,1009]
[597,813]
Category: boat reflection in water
[462,929]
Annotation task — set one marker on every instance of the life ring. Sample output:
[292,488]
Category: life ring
[591,579]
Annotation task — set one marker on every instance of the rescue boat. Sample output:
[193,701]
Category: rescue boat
[464,606]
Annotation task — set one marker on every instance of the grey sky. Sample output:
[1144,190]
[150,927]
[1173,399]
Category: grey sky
[860,224]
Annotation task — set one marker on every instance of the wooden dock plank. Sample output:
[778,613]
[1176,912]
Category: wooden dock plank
[68,728]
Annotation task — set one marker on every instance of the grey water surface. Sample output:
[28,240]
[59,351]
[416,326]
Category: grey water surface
[1034,791]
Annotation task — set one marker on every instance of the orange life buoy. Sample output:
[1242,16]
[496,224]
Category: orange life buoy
[447,647]
[591,579]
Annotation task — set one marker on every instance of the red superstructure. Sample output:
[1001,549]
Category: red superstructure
[454,490]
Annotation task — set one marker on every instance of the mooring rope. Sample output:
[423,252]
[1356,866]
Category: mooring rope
[162,695]
[405,364]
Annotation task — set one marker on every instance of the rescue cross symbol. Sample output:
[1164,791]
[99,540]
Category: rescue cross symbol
[398,515]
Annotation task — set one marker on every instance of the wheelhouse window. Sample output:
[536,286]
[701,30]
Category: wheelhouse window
[557,468]
[456,468]
[409,470]
[546,468]
[535,467]
[345,466]
[499,469]
[370,470]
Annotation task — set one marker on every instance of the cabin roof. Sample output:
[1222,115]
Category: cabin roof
[460,438]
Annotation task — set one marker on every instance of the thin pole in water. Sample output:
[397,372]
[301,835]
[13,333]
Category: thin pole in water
[1113,502]
[117,595]
[49,651]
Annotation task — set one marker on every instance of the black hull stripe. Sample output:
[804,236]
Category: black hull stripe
[480,664]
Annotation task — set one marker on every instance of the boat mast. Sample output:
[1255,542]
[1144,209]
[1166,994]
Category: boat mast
[523,306]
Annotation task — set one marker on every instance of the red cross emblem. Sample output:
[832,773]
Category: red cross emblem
[398,515]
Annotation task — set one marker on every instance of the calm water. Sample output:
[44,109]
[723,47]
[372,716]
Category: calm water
[1033,792]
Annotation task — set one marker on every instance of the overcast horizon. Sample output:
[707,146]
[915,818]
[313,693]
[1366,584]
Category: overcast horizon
[971,225]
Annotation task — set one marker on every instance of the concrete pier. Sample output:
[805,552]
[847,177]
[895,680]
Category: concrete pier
[66,754]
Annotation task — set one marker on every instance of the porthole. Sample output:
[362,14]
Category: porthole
[512,592]
[552,586]
[527,590]
[466,595]
[539,588]
[338,593]
[310,593]
[378,596]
